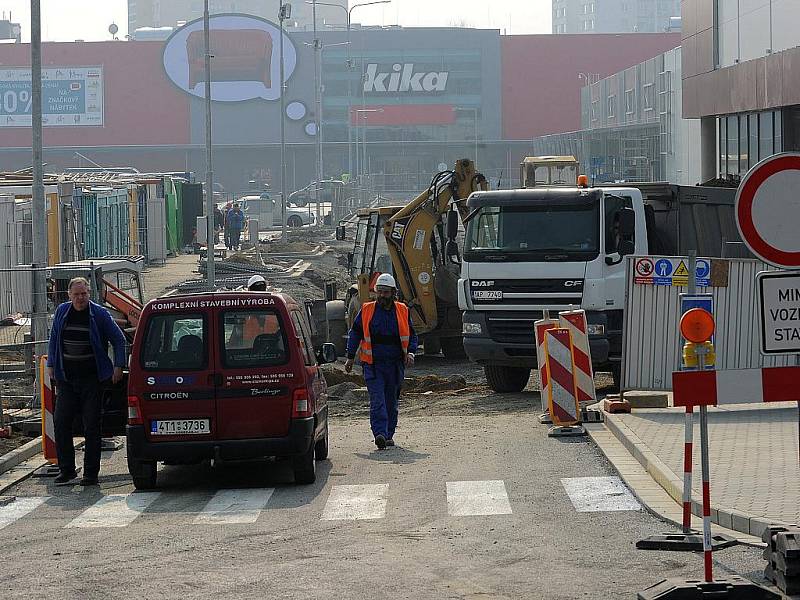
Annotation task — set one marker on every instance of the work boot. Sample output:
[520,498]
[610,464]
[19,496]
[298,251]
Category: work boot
[65,478]
[380,442]
[390,442]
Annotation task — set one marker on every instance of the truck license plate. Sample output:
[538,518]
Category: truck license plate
[487,294]
[181,427]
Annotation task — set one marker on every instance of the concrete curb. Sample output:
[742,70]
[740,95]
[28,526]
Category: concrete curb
[721,515]
[11,459]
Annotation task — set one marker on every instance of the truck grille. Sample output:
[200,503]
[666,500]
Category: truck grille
[508,328]
[538,292]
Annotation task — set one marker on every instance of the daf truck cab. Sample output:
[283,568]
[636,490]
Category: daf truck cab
[541,250]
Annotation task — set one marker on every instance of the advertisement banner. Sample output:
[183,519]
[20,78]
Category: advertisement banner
[71,97]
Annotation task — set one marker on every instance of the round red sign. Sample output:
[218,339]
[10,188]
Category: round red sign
[768,210]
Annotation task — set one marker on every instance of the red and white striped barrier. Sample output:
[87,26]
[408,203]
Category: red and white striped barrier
[736,386]
[47,395]
[688,442]
[562,392]
[540,327]
[575,321]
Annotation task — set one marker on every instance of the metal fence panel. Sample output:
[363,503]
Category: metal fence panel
[652,344]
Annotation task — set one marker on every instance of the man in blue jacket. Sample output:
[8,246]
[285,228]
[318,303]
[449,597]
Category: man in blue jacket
[78,364]
[235,223]
[384,337]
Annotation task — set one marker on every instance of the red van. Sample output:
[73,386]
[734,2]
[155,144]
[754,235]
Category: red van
[225,376]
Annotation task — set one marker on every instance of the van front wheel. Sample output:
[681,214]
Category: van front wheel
[144,473]
[305,467]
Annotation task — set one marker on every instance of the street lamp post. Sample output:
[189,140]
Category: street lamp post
[360,113]
[284,12]
[349,63]
[210,234]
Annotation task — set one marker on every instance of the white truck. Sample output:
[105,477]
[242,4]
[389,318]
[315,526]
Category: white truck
[554,248]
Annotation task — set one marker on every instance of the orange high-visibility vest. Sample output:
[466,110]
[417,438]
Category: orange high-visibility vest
[367,312]
[254,326]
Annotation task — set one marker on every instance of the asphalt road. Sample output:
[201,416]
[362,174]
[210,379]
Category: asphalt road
[298,546]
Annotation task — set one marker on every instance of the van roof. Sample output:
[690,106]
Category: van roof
[186,300]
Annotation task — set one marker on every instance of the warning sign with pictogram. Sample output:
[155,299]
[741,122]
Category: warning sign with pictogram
[644,270]
[671,271]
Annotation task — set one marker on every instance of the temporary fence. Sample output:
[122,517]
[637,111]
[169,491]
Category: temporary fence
[651,320]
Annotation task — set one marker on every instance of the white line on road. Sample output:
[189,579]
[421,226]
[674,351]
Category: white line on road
[472,498]
[235,506]
[355,502]
[599,494]
[115,510]
[19,508]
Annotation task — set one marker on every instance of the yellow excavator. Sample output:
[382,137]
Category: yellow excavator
[418,245]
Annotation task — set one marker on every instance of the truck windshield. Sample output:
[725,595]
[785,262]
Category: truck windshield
[563,232]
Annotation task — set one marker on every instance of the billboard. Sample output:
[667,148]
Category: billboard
[71,97]
[245,63]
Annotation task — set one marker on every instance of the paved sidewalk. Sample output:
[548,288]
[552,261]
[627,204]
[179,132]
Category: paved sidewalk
[755,477]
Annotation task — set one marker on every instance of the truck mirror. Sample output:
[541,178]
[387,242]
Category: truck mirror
[627,223]
[326,354]
[340,233]
[626,247]
[452,224]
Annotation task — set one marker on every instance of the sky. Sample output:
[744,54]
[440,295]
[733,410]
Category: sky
[89,19]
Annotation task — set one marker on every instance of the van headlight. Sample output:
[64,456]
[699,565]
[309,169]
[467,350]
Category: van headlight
[595,329]
[471,329]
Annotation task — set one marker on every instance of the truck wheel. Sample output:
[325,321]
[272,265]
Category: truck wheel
[295,221]
[143,472]
[321,447]
[453,347]
[305,467]
[432,345]
[506,379]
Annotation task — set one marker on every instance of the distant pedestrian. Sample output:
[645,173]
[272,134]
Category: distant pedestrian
[219,222]
[225,213]
[78,363]
[384,338]
[235,223]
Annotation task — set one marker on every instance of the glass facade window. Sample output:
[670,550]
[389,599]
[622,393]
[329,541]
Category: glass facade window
[778,132]
[722,145]
[733,146]
[753,143]
[744,153]
[765,135]
[746,139]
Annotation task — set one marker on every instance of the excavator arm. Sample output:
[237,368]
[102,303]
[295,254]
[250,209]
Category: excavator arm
[409,233]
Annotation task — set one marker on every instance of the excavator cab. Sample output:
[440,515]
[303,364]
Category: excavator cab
[545,171]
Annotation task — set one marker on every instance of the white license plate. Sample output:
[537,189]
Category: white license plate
[487,294]
[181,427]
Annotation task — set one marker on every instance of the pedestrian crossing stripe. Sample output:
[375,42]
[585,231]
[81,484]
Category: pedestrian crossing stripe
[344,503]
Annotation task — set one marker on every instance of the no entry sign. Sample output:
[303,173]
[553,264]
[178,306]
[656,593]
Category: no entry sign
[768,210]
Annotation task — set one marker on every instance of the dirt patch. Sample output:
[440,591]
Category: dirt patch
[278,248]
[434,383]
[335,374]
[13,442]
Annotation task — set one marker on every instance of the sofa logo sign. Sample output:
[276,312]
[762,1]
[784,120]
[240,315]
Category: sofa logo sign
[245,63]
[403,78]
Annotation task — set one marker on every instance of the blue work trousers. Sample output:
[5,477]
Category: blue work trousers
[384,381]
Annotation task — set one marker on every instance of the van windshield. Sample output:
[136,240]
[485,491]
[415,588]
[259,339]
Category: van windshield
[174,342]
[252,338]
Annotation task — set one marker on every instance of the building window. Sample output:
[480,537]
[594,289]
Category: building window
[611,106]
[594,110]
[723,141]
[753,140]
[778,131]
[744,152]
[766,137]
[649,96]
[733,145]
[630,102]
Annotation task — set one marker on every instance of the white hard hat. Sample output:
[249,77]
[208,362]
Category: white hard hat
[386,280]
[254,280]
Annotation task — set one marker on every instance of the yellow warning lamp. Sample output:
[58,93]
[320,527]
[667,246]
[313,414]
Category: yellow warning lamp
[583,181]
[697,327]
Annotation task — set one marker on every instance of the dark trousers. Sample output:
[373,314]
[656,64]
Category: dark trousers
[236,235]
[82,396]
[383,381]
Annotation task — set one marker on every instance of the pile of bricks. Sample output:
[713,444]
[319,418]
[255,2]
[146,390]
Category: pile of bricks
[783,558]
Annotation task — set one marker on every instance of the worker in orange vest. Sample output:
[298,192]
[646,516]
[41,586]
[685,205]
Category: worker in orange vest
[384,338]
[257,324]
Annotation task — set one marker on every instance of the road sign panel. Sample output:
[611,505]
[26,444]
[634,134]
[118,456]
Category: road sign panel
[768,210]
[703,268]
[664,268]
[779,308]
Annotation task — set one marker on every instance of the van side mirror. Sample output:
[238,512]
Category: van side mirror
[326,354]
[340,233]
[627,223]
[626,247]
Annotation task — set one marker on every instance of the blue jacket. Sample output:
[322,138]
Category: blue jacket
[102,331]
[235,220]
[384,322]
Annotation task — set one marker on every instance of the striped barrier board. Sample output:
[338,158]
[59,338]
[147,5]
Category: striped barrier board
[575,321]
[736,386]
[540,327]
[562,393]
[48,409]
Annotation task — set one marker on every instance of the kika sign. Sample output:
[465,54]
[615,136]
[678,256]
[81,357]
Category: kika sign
[779,303]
